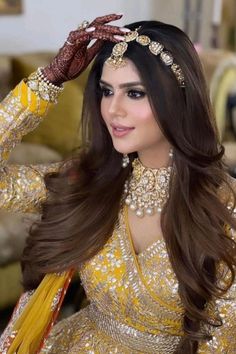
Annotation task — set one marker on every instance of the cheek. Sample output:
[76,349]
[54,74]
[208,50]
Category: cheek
[145,117]
[148,124]
[143,112]
[104,110]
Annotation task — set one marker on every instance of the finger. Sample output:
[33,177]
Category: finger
[94,49]
[77,37]
[112,29]
[105,19]
[106,36]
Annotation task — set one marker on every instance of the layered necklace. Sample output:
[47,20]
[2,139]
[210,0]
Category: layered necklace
[147,189]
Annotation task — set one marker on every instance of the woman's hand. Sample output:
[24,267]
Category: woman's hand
[75,55]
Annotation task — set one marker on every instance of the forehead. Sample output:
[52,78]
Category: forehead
[126,73]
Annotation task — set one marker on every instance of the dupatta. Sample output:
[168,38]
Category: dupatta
[26,332]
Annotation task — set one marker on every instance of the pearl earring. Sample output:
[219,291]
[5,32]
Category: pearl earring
[171,153]
[125,160]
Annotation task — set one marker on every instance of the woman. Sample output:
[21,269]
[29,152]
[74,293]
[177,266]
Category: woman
[145,213]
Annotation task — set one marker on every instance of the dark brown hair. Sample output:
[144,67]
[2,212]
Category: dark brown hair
[84,198]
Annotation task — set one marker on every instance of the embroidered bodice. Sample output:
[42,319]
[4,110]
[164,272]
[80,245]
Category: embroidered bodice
[134,305]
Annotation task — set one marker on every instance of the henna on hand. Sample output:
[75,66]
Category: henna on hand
[75,56]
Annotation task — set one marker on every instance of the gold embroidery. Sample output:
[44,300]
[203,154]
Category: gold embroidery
[125,305]
[21,187]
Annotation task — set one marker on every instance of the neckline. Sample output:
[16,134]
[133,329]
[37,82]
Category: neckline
[138,163]
[134,259]
[147,250]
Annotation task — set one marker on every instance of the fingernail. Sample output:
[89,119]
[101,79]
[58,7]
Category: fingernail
[125,30]
[119,38]
[120,14]
[90,29]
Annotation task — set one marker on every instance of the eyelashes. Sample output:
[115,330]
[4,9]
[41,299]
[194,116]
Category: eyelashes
[132,93]
[136,94]
[105,91]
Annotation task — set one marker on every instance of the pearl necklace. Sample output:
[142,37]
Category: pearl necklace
[147,190]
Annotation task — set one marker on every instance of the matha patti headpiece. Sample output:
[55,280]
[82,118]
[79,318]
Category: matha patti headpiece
[116,59]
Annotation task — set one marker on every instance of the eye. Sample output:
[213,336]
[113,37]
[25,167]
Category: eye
[106,91]
[136,94]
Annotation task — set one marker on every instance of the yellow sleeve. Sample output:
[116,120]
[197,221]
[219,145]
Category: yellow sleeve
[20,112]
[22,188]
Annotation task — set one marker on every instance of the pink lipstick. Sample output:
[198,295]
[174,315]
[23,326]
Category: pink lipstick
[120,130]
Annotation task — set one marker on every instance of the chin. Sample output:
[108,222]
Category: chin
[124,151]
[124,148]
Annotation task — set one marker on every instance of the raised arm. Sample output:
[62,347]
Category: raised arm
[20,112]
[22,188]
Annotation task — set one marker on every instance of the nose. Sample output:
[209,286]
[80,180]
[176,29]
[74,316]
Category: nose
[116,106]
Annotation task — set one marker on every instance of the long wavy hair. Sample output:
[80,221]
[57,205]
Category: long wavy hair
[84,198]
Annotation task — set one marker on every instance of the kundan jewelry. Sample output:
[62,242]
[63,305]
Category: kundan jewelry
[42,87]
[116,59]
[147,190]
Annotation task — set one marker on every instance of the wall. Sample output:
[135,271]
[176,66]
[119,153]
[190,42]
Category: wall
[45,24]
[172,11]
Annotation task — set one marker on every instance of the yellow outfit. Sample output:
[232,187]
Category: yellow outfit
[134,302]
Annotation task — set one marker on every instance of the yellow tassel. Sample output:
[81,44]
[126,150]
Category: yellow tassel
[31,326]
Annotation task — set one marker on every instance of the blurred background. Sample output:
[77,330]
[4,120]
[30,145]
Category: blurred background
[30,34]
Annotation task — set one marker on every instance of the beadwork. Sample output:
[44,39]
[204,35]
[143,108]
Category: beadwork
[116,59]
[148,189]
[43,87]
[127,335]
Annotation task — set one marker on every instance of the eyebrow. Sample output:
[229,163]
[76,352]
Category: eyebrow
[125,85]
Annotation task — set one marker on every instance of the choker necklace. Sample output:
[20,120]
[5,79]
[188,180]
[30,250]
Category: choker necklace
[147,189]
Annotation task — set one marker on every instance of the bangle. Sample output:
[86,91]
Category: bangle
[42,87]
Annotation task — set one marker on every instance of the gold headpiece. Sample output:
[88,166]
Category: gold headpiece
[156,48]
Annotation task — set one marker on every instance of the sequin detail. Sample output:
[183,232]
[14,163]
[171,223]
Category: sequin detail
[139,293]
[112,283]
[8,335]
[56,299]
[129,336]
[15,121]
[22,188]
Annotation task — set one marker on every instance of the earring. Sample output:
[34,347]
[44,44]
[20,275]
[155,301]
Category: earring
[125,160]
[171,153]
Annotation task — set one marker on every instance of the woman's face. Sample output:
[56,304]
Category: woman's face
[127,113]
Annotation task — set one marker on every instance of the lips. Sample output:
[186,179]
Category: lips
[119,130]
